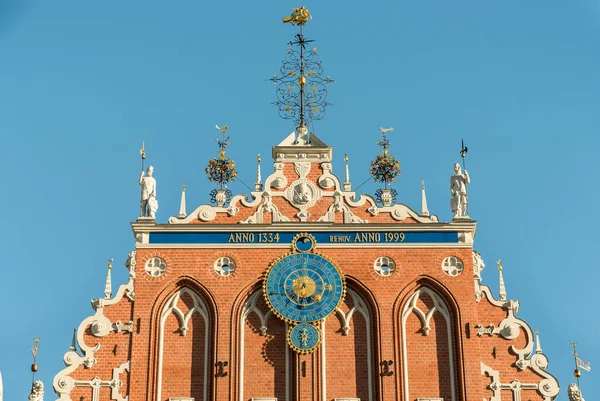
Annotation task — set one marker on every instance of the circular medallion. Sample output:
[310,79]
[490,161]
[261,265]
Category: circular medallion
[303,287]
[304,338]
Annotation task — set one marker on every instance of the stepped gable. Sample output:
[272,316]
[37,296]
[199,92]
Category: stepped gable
[302,188]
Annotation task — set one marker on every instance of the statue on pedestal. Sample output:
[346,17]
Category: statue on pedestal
[148,201]
[458,190]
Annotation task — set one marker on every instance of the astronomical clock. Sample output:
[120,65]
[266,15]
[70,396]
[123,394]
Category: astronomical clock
[303,288]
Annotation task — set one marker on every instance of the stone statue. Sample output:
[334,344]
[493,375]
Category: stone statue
[574,393]
[149,202]
[37,391]
[458,190]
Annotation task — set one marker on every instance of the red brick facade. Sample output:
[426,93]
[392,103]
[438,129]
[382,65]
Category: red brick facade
[418,333]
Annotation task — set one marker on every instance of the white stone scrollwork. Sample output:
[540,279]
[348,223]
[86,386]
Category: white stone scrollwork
[207,213]
[384,266]
[131,265]
[118,326]
[489,330]
[101,326]
[373,210]
[266,206]
[574,393]
[339,206]
[453,266]
[37,391]
[346,318]
[225,266]
[478,266]
[327,180]
[302,169]
[232,210]
[439,305]
[156,267]
[115,392]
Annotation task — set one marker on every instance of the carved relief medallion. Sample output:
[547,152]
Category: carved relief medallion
[303,194]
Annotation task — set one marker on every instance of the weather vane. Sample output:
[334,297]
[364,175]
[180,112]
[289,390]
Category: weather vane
[301,88]
[221,170]
[34,352]
[385,168]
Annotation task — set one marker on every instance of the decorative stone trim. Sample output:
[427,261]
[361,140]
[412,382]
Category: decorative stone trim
[384,266]
[172,307]
[225,266]
[438,306]
[453,266]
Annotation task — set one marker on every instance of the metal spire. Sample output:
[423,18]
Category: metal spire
[301,88]
[34,351]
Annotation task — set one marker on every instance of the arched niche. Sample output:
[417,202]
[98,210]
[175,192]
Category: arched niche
[428,346]
[184,346]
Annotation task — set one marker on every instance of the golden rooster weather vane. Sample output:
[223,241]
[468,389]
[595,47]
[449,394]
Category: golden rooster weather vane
[300,16]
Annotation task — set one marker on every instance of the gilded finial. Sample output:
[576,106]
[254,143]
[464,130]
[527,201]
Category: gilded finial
[499,262]
[345,157]
[299,16]
[34,351]
[183,186]
[258,158]
[110,261]
[422,184]
[222,129]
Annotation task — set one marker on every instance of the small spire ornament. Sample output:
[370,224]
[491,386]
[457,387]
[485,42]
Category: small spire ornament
[347,185]
[424,209]
[385,168]
[221,170]
[108,285]
[258,183]
[182,211]
[501,281]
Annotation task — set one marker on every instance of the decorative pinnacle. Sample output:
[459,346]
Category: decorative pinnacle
[301,88]
[108,285]
[538,345]
[501,281]
[385,168]
[73,341]
[424,209]
[221,169]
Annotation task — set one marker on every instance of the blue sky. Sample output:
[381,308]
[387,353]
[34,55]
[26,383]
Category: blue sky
[83,83]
